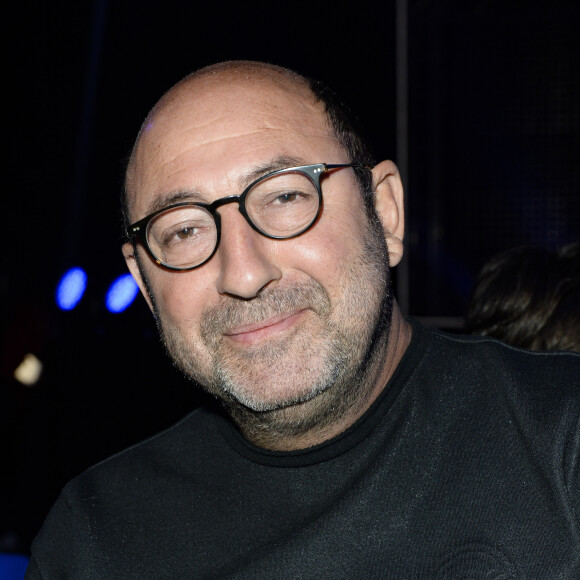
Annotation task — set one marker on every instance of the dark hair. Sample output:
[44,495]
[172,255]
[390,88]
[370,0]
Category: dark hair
[349,134]
[529,297]
[344,125]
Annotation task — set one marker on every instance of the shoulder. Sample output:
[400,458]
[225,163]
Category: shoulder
[485,371]
[520,404]
[113,499]
[492,357]
[106,502]
[136,466]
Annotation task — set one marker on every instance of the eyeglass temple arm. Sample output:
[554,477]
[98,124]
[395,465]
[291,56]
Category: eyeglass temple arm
[338,165]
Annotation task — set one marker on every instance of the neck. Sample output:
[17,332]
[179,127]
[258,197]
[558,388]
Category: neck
[258,429]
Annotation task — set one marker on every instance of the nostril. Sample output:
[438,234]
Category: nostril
[245,266]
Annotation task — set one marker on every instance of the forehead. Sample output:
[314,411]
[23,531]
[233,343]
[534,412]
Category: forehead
[209,133]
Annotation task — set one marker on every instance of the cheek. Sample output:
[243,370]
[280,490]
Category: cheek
[326,251]
[181,298]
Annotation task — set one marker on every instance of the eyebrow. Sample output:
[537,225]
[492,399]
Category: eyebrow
[173,197]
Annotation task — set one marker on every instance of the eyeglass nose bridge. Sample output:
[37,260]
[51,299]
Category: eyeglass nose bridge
[241,200]
[212,207]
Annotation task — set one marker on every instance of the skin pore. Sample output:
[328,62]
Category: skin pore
[297,337]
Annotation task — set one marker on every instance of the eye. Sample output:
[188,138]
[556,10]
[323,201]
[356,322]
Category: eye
[185,233]
[288,197]
[180,234]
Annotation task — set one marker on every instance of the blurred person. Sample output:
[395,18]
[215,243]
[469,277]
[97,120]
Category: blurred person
[529,297]
[345,441]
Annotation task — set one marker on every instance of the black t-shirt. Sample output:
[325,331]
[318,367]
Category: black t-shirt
[466,466]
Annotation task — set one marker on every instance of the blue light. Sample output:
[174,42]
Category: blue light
[71,288]
[121,293]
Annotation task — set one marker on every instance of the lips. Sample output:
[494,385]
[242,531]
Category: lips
[256,332]
[275,310]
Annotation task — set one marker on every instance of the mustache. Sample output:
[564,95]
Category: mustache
[270,302]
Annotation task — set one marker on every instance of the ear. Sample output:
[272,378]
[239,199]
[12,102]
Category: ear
[389,203]
[131,261]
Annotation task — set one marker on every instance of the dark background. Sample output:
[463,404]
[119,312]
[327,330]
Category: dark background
[479,102]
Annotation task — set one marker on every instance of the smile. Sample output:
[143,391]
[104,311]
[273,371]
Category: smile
[249,334]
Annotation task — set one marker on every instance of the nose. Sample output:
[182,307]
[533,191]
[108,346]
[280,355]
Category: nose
[245,261]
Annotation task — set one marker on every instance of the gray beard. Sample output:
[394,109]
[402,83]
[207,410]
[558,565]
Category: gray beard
[336,386]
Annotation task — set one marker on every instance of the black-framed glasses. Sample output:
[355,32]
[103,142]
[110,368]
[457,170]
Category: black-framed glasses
[280,205]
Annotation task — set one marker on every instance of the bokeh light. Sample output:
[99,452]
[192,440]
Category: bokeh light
[121,293]
[71,288]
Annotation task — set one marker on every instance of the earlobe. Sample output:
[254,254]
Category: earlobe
[389,203]
[131,261]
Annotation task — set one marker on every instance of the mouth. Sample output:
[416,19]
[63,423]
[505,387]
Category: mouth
[249,334]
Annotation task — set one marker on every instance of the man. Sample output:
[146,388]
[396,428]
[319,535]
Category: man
[354,443]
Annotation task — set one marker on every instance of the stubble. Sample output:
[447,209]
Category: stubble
[288,387]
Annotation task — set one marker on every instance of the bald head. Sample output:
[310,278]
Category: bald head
[233,72]
[219,89]
[240,72]
[206,83]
